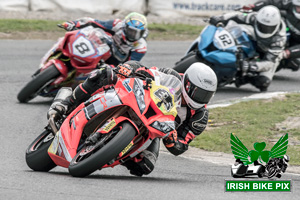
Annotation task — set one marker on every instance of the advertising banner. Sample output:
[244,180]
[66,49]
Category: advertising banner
[177,8]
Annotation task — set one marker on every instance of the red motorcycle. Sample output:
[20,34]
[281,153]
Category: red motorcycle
[125,118]
[68,62]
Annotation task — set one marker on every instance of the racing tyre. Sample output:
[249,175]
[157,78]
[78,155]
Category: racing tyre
[272,172]
[37,157]
[37,84]
[90,158]
[182,65]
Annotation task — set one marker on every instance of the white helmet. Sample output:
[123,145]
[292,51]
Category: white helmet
[199,85]
[268,20]
[296,8]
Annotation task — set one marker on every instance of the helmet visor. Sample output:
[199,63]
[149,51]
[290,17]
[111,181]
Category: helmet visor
[297,9]
[133,34]
[265,29]
[197,94]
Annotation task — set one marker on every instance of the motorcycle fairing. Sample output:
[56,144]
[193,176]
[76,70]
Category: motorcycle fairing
[163,99]
[64,148]
[62,152]
[209,33]
[58,152]
[107,100]
[139,94]
[52,50]
[84,54]
[65,144]
[218,56]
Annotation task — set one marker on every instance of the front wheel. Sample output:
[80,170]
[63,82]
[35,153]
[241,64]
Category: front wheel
[93,157]
[182,65]
[37,157]
[39,82]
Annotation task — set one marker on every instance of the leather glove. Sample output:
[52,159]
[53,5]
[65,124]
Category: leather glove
[249,66]
[124,70]
[248,7]
[216,21]
[68,26]
[171,140]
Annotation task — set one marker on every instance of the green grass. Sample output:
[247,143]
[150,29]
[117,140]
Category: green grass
[174,31]
[156,31]
[26,25]
[252,121]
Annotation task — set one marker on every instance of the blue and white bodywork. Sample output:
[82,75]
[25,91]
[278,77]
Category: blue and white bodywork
[217,47]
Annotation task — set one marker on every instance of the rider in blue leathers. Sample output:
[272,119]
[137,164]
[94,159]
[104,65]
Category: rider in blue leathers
[270,36]
[128,35]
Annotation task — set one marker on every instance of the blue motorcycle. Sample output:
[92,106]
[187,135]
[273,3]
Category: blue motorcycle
[221,48]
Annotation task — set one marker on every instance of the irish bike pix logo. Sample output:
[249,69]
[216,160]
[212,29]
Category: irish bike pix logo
[259,162]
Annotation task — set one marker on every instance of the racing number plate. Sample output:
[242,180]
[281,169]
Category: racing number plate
[82,47]
[223,39]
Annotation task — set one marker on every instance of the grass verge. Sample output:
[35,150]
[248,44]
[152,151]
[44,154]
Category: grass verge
[47,29]
[253,121]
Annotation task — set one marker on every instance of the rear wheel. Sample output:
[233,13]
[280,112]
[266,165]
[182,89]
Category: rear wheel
[39,82]
[93,157]
[37,157]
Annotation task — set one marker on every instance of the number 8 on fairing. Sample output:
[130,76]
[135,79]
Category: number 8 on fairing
[82,47]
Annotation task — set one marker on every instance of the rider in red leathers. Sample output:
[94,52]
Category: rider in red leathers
[198,86]
[128,35]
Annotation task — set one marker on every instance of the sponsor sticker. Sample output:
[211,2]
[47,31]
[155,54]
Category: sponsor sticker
[127,148]
[110,125]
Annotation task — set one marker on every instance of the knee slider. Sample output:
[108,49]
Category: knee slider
[262,81]
[294,64]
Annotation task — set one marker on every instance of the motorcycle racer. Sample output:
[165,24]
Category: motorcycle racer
[128,35]
[270,36]
[199,84]
[290,10]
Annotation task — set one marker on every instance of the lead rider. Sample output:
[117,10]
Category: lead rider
[199,84]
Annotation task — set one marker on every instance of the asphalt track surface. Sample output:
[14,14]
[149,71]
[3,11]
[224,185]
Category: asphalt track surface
[173,177]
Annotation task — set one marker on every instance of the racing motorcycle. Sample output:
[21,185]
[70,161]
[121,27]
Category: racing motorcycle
[221,48]
[124,119]
[68,62]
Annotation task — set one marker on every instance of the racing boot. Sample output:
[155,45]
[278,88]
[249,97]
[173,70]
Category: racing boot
[147,160]
[293,64]
[239,81]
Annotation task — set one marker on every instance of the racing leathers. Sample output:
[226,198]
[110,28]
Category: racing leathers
[122,49]
[291,55]
[259,72]
[190,123]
